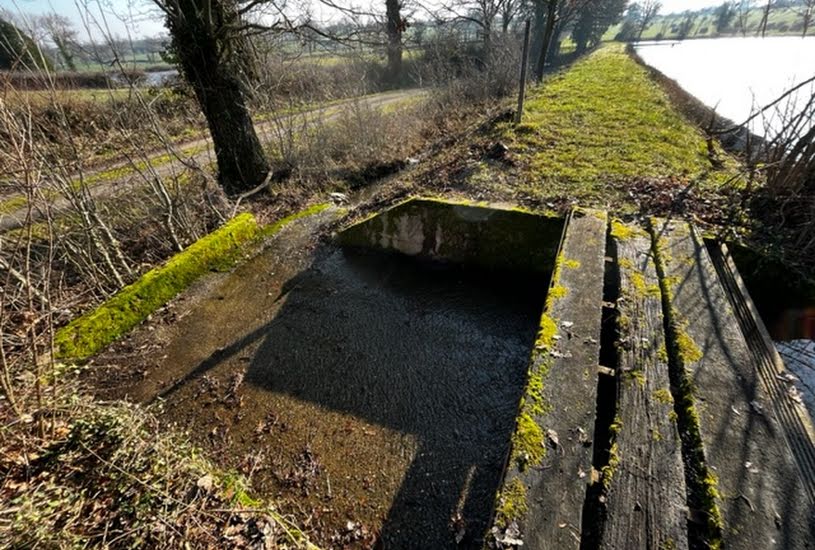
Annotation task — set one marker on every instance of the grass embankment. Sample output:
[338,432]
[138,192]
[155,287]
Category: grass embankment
[600,133]
[604,122]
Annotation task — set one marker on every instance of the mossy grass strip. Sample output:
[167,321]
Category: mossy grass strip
[87,335]
[603,122]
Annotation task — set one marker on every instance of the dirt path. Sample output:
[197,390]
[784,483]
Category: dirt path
[199,152]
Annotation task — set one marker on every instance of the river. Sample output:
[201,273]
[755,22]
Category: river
[738,75]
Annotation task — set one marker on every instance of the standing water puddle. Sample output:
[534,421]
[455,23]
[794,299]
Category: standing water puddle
[373,395]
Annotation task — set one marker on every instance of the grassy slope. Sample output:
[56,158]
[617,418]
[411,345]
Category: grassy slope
[705,25]
[604,120]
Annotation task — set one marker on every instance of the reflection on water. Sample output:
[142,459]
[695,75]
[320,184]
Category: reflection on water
[794,324]
[735,75]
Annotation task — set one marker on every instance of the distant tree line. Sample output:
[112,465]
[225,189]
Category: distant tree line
[730,17]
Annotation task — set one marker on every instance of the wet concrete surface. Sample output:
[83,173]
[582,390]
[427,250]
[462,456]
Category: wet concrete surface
[372,395]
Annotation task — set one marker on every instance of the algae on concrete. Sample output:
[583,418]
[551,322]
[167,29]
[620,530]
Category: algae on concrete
[460,232]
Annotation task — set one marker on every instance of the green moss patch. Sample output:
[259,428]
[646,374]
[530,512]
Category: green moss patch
[88,334]
[512,504]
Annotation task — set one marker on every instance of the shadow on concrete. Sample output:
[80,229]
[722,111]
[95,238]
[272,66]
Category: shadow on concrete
[438,352]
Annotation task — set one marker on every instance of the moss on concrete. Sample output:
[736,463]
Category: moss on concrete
[546,333]
[663,396]
[623,231]
[272,229]
[608,471]
[682,351]
[87,335]
[512,505]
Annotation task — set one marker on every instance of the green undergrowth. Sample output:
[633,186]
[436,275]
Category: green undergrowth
[605,120]
[108,475]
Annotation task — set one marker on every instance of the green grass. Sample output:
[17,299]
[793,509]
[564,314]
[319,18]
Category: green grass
[604,120]
[79,95]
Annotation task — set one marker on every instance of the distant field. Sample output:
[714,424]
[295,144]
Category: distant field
[782,21]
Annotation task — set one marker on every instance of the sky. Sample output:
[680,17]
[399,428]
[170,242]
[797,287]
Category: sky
[138,18]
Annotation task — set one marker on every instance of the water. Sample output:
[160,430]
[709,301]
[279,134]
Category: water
[786,304]
[738,75]
[160,78]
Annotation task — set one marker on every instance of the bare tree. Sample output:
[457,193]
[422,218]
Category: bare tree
[61,32]
[558,15]
[482,13]
[210,41]
[649,11]
[806,10]
[510,9]
[765,16]
[743,9]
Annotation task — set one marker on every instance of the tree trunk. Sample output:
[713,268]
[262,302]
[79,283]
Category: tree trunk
[394,30]
[549,31]
[765,18]
[487,38]
[538,27]
[215,79]
[807,21]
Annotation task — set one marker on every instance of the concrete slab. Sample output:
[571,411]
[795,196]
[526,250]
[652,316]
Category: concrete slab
[645,479]
[550,466]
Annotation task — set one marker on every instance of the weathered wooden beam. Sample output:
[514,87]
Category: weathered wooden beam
[541,500]
[744,482]
[645,479]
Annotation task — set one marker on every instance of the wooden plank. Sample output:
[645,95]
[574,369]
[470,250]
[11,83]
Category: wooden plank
[753,478]
[544,490]
[645,479]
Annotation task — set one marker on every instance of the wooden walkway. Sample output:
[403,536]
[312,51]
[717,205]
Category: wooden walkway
[656,399]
